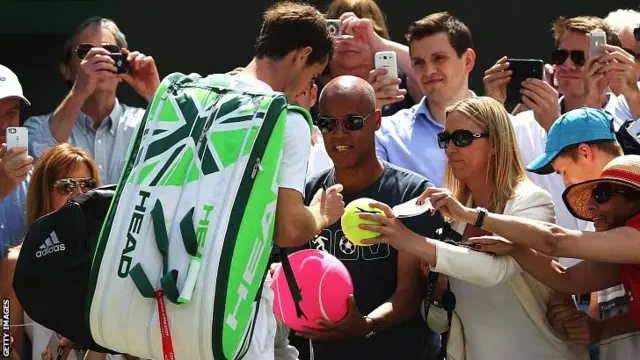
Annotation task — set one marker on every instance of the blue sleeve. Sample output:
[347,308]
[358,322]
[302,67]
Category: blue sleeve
[381,150]
[40,137]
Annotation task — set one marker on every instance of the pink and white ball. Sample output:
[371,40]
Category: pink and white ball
[325,285]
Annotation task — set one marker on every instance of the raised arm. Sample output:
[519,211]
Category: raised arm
[619,245]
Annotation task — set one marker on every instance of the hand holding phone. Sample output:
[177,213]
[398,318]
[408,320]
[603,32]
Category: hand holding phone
[334,27]
[17,137]
[597,41]
[521,70]
[387,60]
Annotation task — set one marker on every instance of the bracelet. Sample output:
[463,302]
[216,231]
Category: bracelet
[373,327]
[482,213]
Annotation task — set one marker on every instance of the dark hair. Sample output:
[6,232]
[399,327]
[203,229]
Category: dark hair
[364,9]
[104,23]
[289,26]
[458,33]
[610,147]
[583,24]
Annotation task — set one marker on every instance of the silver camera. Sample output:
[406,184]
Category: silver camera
[334,27]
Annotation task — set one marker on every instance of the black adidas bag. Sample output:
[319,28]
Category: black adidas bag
[52,272]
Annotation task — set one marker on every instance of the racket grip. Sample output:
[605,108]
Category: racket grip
[190,282]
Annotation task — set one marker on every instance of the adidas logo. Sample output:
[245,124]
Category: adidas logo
[51,245]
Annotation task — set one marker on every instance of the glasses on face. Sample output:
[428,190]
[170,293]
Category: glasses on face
[632,53]
[68,186]
[559,56]
[83,49]
[603,192]
[327,124]
[460,138]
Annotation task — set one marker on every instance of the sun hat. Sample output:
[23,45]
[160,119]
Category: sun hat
[623,170]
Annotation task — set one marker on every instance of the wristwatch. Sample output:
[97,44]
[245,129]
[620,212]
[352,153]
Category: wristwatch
[482,213]
[373,327]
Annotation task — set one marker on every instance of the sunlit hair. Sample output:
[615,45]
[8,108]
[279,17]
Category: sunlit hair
[52,166]
[504,169]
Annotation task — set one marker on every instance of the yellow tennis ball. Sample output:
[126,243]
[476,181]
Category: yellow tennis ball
[351,219]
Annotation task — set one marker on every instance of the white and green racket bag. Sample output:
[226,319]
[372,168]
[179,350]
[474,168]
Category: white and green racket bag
[184,248]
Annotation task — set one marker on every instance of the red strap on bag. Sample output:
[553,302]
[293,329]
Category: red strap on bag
[167,344]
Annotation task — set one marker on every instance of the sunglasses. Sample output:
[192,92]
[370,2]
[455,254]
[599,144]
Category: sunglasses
[559,56]
[632,53]
[83,49]
[69,185]
[460,138]
[327,124]
[603,192]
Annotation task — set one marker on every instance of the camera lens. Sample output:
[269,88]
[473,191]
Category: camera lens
[12,131]
[384,57]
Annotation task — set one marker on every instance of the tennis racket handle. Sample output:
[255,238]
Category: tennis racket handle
[190,282]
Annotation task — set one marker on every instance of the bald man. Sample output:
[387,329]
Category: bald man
[383,320]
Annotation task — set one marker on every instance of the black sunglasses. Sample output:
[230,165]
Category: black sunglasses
[83,49]
[327,124]
[67,186]
[559,56]
[632,53]
[603,192]
[460,138]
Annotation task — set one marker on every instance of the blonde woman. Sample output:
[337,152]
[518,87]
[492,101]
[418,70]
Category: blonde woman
[61,173]
[500,310]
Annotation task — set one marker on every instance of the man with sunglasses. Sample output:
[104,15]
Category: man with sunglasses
[90,116]
[15,165]
[383,320]
[579,145]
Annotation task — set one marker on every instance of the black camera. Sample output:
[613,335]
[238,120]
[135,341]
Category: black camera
[447,235]
[636,33]
[121,63]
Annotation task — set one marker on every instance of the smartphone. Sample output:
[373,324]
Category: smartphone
[389,61]
[597,41]
[121,63]
[17,137]
[334,27]
[522,69]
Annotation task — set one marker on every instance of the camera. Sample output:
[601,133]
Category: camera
[636,33]
[121,63]
[334,27]
[12,131]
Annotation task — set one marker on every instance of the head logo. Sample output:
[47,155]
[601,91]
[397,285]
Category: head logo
[51,245]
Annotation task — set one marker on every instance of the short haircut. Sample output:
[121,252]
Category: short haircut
[609,147]
[104,23]
[289,26]
[583,24]
[458,33]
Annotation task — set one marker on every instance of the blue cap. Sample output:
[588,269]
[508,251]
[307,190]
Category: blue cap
[578,126]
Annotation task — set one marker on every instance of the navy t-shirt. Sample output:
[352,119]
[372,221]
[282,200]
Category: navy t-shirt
[373,270]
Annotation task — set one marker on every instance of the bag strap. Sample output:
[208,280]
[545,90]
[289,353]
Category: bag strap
[302,111]
[291,282]
[221,80]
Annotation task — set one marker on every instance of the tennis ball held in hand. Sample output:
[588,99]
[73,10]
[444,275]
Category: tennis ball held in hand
[351,219]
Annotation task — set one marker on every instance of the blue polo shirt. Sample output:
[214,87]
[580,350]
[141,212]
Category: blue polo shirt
[13,217]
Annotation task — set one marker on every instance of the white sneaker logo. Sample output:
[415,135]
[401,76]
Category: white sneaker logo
[51,245]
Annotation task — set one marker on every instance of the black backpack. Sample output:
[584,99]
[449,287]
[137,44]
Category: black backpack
[52,272]
[627,141]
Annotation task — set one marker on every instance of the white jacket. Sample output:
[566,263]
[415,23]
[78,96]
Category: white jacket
[487,270]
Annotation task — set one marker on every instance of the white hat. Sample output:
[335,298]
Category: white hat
[10,85]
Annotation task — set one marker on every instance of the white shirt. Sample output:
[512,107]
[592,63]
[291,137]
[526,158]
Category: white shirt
[531,141]
[495,322]
[293,170]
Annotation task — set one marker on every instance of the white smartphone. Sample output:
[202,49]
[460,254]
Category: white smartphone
[389,61]
[17,137]
[597,41]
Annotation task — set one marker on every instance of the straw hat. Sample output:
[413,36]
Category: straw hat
[623,170]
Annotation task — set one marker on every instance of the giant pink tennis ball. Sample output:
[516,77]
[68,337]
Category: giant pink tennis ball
[325,285]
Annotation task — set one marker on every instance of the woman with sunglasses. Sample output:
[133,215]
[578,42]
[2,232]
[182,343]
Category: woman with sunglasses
[61,173]
[612,253]
[499,311]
